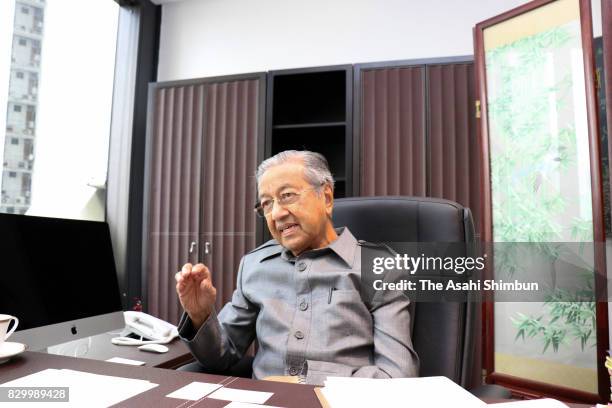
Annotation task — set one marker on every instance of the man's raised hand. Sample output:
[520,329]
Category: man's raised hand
[196,292]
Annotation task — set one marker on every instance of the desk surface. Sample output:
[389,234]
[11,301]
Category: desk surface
[101,348]
[285,395]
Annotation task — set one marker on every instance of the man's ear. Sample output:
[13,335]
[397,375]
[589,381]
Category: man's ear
[328,193]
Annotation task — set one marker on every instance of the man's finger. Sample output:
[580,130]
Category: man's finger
[187,268]
[180,288]
[178,276]
[201,271]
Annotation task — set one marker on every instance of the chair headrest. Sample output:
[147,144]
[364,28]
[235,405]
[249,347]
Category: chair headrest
[402,219]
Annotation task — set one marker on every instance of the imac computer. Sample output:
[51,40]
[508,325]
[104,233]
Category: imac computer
[58,277]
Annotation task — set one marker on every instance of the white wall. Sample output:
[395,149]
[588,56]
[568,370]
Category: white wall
[202,38]
[217,37]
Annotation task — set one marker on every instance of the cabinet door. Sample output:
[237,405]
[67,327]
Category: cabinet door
[454,156]
[205,139]
[229,160]
[392,131]
[174,180]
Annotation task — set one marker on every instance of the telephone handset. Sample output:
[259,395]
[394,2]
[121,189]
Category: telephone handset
[150,329]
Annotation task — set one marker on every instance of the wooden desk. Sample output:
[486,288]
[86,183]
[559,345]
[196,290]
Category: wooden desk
[569,404]
[101,348]
[285,395]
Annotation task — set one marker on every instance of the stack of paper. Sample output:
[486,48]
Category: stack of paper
[85,389]
[397,392]
[608,365]
[538,403]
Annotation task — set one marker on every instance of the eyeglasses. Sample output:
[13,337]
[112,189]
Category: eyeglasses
[286,199]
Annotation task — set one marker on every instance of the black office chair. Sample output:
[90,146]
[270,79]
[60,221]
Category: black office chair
[444,334]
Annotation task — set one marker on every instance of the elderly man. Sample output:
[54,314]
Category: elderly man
[299,293]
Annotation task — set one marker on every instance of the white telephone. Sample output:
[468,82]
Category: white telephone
[146,327]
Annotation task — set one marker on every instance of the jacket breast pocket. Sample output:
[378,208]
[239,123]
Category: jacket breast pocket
[342,320]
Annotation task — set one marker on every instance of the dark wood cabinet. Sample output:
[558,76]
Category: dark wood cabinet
[415,130]
[400,128]
[205,139]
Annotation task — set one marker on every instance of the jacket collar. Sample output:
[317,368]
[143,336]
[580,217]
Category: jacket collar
[344,246]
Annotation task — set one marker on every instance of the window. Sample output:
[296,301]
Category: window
[14,141]
[10,210]
[12,174]
[65,162]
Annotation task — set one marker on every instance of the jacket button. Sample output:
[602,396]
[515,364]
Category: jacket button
[293,371]
[303,305]
[299,335]
[301,266]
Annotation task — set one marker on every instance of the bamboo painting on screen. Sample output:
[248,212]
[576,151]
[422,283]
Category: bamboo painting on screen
[536,134]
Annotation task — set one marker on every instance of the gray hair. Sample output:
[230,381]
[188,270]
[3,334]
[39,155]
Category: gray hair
[316,169]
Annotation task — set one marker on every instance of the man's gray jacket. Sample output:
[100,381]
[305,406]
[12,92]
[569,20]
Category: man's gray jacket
[308,317]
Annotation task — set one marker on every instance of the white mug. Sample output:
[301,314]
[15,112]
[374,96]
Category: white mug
[5,320]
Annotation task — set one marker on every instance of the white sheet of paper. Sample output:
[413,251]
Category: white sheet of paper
[194,391]
[233,394]
[421,392]
[104,390]
[86,389]
[236,404]
[122,360]
[538,403]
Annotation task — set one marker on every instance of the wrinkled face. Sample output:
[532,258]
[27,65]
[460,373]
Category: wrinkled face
[302,225]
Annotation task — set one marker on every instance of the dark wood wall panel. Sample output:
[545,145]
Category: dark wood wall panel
[393,132]
[174,193]
[454,164]
[230,161]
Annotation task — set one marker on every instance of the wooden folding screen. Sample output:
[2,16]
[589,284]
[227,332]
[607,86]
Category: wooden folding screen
[204,139]
[516,149]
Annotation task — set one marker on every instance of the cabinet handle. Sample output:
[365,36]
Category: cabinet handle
[192,247]
[207,247]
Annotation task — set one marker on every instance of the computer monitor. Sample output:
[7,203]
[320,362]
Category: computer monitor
[58,277]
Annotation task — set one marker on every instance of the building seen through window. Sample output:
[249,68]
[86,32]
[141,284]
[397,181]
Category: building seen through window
[54,159]
[20,122]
